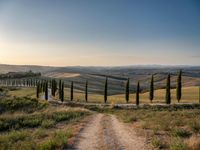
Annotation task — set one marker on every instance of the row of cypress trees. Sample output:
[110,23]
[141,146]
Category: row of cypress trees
[44,86]
[20,82]
[151,89]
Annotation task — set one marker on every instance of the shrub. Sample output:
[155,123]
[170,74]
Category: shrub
[177,144]
[23,104]
[180,133]
[31,122]
[195,126]
[47,123]
[156,143]
[58,141]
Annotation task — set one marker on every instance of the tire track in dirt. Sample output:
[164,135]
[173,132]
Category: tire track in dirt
[106,132]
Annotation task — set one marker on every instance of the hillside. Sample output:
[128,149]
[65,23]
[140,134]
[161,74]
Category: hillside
[117,76]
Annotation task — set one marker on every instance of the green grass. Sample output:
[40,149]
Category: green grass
[59,140]
[56,139]
[177,144]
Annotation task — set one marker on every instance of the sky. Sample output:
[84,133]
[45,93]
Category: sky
[100,32]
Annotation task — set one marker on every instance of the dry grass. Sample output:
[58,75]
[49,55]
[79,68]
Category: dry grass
[167,129]
[193,142]
[22,92]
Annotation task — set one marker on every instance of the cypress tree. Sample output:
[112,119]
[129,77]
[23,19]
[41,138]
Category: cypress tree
[55,88]
[138,94]
[72,91]
[52,88]
[151,90]
[41,86]
[60,89]
[37,90]
[46,90]
[86,91]
[199,94]
[106,90]
[62,95]
[168,92]
[179,86]
[44,86]
[127,90]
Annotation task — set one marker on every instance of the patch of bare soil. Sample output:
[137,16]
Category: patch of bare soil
[106,132]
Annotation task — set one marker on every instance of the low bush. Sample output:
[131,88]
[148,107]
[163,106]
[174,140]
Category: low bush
[58,141]
[48,123]
[195,126]
[177,144]
[26,104]
[41,119]
[156,143]
[180,133]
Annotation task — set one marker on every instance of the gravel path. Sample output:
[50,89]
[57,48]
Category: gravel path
[106,132]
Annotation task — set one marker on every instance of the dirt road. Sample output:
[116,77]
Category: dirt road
[106,132]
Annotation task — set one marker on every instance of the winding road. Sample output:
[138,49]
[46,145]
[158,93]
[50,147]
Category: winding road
[106,132]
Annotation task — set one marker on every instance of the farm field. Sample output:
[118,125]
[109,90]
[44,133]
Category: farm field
[189,95]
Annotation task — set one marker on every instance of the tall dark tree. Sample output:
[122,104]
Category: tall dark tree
[46,90]
[62,95]
[37,90]
[179,86]
[199,94]
[127,90]
[106,90]
[151,90]
[168,92]
[44,86]
[138,94]
[60,89]
[53,87]
[86,91]
[72,91]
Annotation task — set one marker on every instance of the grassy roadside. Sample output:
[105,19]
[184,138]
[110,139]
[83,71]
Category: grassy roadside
[164,129]
[28,123]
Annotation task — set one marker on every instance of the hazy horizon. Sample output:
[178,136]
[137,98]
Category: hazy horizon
[100,33]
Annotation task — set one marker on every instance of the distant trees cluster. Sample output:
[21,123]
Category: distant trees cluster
[13,75]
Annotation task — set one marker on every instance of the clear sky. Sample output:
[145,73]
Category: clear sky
[100,32]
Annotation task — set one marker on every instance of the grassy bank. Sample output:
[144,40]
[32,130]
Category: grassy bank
[165,129]
[28,123]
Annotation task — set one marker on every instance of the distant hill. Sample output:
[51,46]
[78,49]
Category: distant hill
[117,76]
[24,68]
